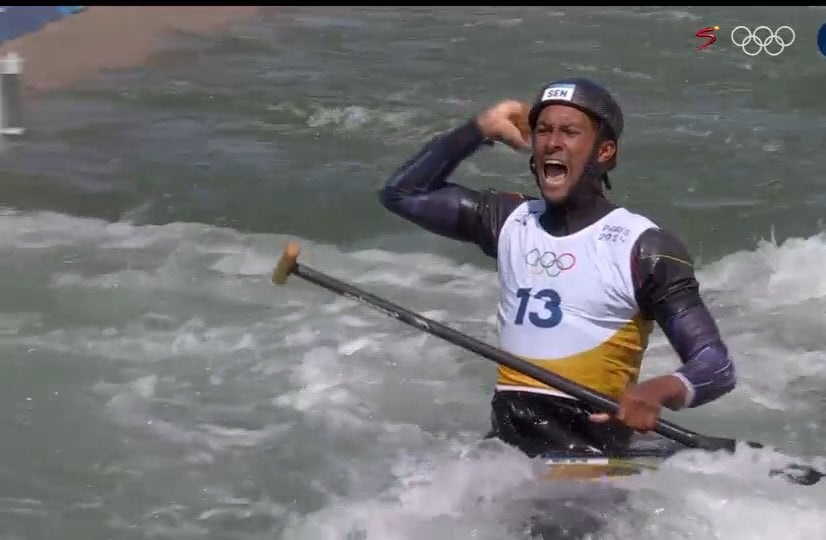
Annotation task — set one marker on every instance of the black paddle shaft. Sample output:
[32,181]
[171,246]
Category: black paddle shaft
[595,399]
[796,473]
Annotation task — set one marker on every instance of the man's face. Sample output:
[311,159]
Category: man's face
[563,143]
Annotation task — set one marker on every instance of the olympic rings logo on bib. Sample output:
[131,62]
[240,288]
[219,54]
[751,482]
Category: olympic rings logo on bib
[549,262]
[763,39]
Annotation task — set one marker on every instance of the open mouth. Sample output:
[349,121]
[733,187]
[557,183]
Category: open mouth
[555,170]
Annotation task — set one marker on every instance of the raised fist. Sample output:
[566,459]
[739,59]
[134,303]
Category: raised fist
[507,122]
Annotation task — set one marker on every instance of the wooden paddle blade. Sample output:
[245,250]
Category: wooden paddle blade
[286,264]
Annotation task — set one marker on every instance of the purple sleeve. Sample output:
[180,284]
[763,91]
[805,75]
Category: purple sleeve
[707,371]
[419,192]
[667,291]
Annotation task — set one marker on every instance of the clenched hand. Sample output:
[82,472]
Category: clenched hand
[507,122]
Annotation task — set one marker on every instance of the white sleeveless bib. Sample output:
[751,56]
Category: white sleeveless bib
[567,303]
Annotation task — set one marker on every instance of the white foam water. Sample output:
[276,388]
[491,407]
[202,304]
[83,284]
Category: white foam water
[200,400]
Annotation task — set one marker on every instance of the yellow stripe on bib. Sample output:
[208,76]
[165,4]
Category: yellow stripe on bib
[607,368]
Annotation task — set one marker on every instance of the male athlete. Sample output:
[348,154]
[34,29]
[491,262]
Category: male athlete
[581,279]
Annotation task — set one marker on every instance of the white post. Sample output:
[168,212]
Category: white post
[11,110]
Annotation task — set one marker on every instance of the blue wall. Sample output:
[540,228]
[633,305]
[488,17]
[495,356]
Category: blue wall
[16,21]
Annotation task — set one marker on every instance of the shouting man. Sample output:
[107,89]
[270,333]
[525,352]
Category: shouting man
[581,279]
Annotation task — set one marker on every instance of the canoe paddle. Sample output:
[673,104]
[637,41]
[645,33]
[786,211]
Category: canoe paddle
[288,264]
